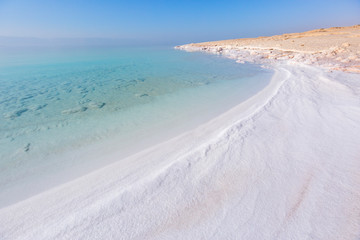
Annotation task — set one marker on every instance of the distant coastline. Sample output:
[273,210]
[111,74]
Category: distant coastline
[336,48]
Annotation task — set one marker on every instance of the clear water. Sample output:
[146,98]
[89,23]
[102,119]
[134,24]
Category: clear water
[55,102]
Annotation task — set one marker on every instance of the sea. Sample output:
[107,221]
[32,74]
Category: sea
[67,111]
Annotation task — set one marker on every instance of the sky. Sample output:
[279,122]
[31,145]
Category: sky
[170,21]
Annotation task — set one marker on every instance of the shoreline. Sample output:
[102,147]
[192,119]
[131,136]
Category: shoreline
[332,48]
[281,165]
[161,119]
[162,184]
[150,162]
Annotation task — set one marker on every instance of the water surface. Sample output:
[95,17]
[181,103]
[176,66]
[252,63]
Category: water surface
[54,102]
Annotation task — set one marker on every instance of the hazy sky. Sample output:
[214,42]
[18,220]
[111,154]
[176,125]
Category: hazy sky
[169,20]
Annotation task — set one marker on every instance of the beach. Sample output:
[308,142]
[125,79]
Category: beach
[335,48]
[284,164]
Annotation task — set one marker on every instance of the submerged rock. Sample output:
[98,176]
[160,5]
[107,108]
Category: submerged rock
[96,104]
[15,114]
[37,107]
[74,110]
[27,147]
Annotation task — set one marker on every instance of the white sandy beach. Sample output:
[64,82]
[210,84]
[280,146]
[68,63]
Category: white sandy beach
[284,164]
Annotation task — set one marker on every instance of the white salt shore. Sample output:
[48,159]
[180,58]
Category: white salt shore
[285,164]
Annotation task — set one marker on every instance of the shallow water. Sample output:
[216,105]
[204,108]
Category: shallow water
[54,102]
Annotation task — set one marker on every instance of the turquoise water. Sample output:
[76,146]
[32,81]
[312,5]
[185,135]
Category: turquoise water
[54,102]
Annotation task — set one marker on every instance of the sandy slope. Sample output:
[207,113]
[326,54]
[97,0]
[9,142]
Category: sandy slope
[337,48]
[283,165]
